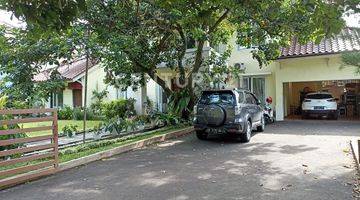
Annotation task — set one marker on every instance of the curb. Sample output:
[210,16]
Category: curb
[123,149]
[355,150]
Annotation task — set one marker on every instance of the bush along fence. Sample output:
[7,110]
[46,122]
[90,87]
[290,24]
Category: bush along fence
[118,118]
[20,162]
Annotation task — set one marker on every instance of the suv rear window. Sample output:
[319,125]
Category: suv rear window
[217,98]
[319,96]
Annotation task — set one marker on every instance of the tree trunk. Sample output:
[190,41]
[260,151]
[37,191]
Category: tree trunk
[196,67]
[161,82]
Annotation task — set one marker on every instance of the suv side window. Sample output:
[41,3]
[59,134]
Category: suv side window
[248,98]
[255,100]
[241,97]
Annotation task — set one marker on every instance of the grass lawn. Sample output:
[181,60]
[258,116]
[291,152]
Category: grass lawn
[61,124]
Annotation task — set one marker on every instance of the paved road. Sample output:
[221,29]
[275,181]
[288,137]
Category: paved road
[286,162]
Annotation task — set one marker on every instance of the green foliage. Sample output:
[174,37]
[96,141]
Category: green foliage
[351,59]
[98,129]
[133,37]
[106,144]
[3,102]
[68,113]
[65,113]
[22,56]
[98,98]
[44,89]
[69,130]
[163,119]
[121,108]
[178,102]
[45,15]
[3,105]
[78,114]
[114,125]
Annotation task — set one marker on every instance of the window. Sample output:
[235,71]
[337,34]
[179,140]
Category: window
[256,85]
[319,96]
[217,98]
[259,88]
[241,97]
[249,99]
[246,83]
[57,100]
[121,94]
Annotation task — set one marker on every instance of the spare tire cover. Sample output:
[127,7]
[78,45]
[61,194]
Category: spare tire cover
[215,115]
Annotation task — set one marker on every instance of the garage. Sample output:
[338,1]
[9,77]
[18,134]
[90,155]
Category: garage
[344,95]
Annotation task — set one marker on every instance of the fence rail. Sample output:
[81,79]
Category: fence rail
[18,161]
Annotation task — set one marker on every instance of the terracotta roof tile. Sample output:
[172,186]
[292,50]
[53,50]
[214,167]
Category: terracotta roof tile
[347,40]
[68,71]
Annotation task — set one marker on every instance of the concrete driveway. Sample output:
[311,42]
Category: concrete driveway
[290,160]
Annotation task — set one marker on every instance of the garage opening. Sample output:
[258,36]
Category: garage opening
[346,94]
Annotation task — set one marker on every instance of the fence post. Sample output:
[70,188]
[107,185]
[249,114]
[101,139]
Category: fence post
[56,137]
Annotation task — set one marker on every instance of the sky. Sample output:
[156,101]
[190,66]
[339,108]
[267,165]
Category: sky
[5,18]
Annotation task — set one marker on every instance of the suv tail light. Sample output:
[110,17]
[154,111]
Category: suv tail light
[331,100]
[307,100]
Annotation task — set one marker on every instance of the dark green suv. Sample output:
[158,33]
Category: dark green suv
[236,112]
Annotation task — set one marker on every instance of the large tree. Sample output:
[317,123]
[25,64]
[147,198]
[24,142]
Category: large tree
[24,53]
[140,35]
[136,36]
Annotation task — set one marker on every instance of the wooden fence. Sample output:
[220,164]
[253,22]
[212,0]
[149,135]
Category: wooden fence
[27,161]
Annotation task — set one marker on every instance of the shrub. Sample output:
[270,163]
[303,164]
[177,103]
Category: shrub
[78,114]
[65,113]
[69,130]
[98,98]
[3,104]
[120,108]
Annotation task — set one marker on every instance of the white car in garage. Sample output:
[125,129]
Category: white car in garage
[320,104]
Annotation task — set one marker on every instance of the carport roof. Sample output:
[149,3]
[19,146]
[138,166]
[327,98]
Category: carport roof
[347,40]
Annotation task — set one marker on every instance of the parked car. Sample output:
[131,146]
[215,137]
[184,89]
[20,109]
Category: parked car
[234,112]
[320,104]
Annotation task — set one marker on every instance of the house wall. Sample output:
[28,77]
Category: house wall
[68,97]
[316,68]
[253,69]
[96,78]
[280,72]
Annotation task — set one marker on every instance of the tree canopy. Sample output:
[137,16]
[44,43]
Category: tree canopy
[134,37]
[23,55]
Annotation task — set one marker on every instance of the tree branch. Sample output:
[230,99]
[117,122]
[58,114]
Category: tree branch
[223,16]
[161,82]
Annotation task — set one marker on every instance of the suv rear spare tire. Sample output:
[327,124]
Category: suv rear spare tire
[215,115]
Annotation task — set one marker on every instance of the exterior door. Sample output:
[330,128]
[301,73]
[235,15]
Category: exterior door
[77,98]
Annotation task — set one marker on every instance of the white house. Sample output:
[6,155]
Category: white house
[311,67]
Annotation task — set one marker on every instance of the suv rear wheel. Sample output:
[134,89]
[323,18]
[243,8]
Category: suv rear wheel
[201,135]
[245,137]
